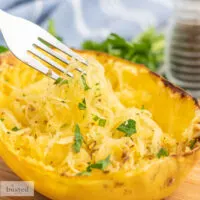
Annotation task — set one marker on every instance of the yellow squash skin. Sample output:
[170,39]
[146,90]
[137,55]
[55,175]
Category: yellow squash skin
[157,180]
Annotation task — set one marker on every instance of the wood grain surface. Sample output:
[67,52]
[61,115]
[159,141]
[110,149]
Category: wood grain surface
[189,190]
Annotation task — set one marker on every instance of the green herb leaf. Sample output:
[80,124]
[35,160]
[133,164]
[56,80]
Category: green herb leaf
[58,80]
[95,118]
[61,81]
[15,129]
[3,49]
[142,108]
[82,105]
[2,119]
[78,139]
[84,173]
[51,27]
[128,127]
[192,143]
[102,164]
[64,82]
[85,85]
[102,122]
[52,30]
[162,153]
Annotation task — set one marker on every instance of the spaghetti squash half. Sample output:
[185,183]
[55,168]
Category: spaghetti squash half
[117,131]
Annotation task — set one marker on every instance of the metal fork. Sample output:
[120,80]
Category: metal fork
[23,36]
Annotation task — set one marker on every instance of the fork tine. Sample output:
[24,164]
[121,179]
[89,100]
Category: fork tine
[57,44]
[50,51]
[55,54]
[35,39]
[50,61]
[34,63]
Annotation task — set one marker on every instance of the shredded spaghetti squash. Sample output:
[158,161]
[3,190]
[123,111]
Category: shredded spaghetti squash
[73,126]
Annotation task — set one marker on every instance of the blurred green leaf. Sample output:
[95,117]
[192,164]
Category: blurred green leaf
[147,48]
[3,49]
[52,30]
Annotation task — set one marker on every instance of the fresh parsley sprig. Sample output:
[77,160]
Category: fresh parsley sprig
[147,49]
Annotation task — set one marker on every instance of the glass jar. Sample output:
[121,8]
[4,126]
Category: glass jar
[183,46]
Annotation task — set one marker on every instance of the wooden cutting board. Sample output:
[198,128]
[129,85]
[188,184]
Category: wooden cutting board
[189,190]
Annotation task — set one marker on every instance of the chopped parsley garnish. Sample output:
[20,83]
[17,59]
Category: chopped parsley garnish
[61,81]
[192,143]
[102,122]
[162,153]
[3,49]
[78,139]
[102,164]
[82,105]
[85,85]
[142,108]
[128,127]
[95,118]
[84,173]
[64,82]
[2,119]
[15,129]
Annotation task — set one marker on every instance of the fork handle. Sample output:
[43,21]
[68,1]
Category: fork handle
[1,18]
[2,15]
[4,18]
